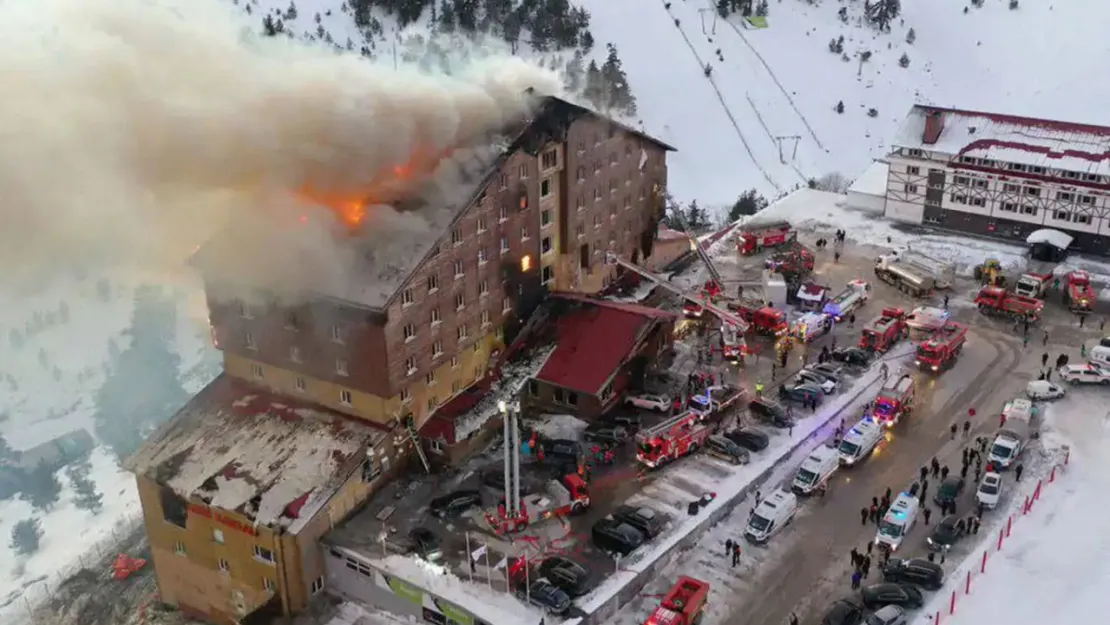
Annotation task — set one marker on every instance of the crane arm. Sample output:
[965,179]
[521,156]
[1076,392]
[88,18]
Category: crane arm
[721,313]
[702,254]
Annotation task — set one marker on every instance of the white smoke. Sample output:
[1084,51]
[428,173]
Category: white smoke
[131,130]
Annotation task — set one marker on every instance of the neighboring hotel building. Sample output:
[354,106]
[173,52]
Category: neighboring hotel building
[1001,175]
[320,403]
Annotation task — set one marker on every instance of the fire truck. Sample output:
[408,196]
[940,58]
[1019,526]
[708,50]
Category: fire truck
[762,319]
[995,300]
[754,239]
[1033,284]
[674,438]
[1078,294]
[715,400]
[882,332]
[895,400]
[794,263]
[559,499]
[849,300]
[683,604]
[925,320]
[941,351]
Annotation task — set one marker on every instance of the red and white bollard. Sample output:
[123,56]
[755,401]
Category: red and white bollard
[1001,535]
[1009,525]
[1067,456]
[952,603]
[1037,491]
[1025,507]
[983,567]
[967,585]
[1052,475]
[936,621]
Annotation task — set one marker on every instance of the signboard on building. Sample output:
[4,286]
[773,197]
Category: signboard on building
[433,609]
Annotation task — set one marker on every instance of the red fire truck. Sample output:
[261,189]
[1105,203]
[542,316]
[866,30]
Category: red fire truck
[683,604]
[672,439]
[559,499]
[762,319]
[753,239]
[1078,294]
[942,349]
[996,300]
[895,399]
[794,263]
[882,332]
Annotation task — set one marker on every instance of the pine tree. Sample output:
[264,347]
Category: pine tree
[618,93]
[143,389]
[291,12]
[41,487]
[905,60]
[695,216]
[749,203]
[268,28]
[594,90]
[575,72]
[911,37]
[840,107]
[724,7]
[26,535]
[85,495]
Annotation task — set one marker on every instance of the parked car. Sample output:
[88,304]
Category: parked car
[605,433]
[568,575]
[805,376]
[769,411]
[852,357]
[949,490]
[1084,374]
[831,370]
[561,448]
[493,478]
[843,612]
[887,615]
[946,533]
[918,571]
[659,403]
[544,594]
[722,447]
[454,504]
[990,490]
[802,393]
[888,593]
[424,544]
[649,522]
[613,536]
[1042,390]
[749,438]
[631,423]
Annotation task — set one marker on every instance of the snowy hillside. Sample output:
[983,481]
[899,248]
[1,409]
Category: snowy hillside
[107,356]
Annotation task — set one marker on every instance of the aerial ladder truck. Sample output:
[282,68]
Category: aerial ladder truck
[733,327]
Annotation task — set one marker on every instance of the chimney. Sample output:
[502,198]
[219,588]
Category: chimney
[934,125]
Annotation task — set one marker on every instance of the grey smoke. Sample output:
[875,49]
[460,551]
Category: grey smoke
[131,130]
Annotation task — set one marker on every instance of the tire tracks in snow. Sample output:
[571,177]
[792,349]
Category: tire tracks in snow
[774,78]
[721,98]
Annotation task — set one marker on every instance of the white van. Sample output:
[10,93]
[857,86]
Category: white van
[860,441]
[897,522]
[1100,355]
[773,513]
[816,470]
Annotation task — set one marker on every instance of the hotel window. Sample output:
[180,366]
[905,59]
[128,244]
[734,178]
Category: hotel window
[341,366]
[545,218]
[1029,210]
[524,233]
[269,584]
[1011,188]
[179,548]
[507,304]
[1009,207]
[503,213]
[225,566]
[461,333]
[458,266]
[481,224]
[1032,191]
[456,236]
[245,311]
[436,319]
[580,203]
[263,554]
[405,395]
[410,365]
[430,378]
[218,536]
[580,174]
[406,298]
[913,171]
[1087,200]
[248,339]
[460,301]
[345,397]
[545,188]
[909,188]
[485,319]
[337,334]
[522,171]
[437,349]
[409,332]
[317,585]
[503,181]
[433,284]
[301,385]
[483,288]
[291,322]
[1081,218]
[545,245]
[1064,196]
[454,362]
[548,275]
[915,153]
[295,353]
[1061,215]
[256,370]
[482,257]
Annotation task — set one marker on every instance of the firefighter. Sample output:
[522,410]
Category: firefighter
[759,389]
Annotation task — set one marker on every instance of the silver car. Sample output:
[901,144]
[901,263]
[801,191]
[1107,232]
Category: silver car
[887,615]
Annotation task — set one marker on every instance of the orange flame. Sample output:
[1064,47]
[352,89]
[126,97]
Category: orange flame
[383,188]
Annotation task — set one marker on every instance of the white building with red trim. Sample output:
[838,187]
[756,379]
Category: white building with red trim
[1002,176]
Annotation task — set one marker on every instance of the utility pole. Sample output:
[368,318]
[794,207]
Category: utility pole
[793,153]
[712,26]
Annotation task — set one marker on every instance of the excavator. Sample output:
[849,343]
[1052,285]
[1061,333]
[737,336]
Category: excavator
[989,272]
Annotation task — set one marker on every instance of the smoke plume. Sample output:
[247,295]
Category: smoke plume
[132,130]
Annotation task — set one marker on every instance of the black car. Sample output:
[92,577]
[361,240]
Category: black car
[749,438]
[852,357]
[425,544]
[561,448]
[544,594]
[605,433]
[843,612]
[455,503]
[949,490]
[493,478]
[946,533]
[571,577]
[918,571]
[649,522]
[769,411]
[722,447]
[905,596]
[613,536]
[630,422]
[802,393]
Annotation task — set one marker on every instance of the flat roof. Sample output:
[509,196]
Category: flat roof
[238,448]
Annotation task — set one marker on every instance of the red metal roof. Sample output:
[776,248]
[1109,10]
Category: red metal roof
[594,340]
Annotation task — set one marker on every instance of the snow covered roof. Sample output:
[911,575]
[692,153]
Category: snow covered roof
[1055,238]
[239,449]
[1074,147]
[872,181]
[811,292]
[666,234]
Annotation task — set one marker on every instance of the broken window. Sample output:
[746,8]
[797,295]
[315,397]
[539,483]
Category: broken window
[175,509]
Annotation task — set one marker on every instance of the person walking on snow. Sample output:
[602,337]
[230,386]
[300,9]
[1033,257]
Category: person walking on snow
[1017,473]
[856,577]
[793,619]
[1044,359]
[863,516]
[735,554]
[866,566]
[935,465]
[927,512]
[952,430]
[967,429]
[728,547]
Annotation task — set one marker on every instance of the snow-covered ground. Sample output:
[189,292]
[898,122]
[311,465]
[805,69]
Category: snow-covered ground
[1052,567]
